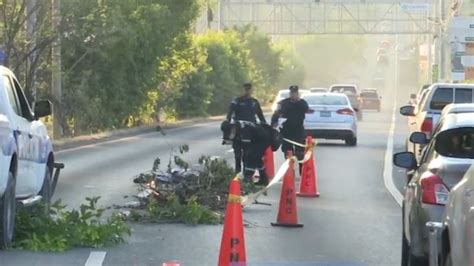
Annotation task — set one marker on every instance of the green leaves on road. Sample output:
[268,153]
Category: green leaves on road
[195,196]
[60,229]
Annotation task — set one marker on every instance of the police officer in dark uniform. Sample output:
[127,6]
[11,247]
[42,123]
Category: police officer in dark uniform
[244,108]
[293,109]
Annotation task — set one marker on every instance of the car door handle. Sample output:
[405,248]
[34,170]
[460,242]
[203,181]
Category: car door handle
[30,135]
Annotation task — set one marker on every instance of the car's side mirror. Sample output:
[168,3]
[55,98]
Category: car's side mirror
[42,109]
[380,97]
[413,96]
[405,160]
[419,138]
[356,109]
[407,110]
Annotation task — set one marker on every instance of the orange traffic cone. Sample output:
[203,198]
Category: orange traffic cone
[287,213]
[269,163]
[308,186]
[233,244]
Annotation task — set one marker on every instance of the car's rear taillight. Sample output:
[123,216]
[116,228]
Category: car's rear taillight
[427,125]
[345,111]
[433,189]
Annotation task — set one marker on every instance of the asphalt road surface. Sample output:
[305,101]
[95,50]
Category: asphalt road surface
[356,221]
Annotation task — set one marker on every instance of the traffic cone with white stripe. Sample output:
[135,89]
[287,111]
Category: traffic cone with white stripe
[232,251]
[287,213]
[308,185]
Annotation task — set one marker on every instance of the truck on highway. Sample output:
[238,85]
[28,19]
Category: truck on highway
[352,93]
[28,171]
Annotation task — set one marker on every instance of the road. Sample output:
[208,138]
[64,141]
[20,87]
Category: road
[356,221]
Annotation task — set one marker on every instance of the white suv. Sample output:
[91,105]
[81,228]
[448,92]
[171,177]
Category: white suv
[26,159]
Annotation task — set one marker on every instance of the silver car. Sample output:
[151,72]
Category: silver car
[332,118]
[445,160]
[457,246]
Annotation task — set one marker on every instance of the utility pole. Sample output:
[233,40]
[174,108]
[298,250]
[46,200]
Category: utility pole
[442,25]
[56,85]
[31,21]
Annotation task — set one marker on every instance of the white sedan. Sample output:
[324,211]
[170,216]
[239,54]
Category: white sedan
[332,117]
[283,94]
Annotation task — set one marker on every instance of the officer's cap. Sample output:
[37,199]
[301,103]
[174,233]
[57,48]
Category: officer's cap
[294,88]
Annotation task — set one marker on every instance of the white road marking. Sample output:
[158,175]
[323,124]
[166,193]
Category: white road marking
[388,166]
[229,151]
[96,258]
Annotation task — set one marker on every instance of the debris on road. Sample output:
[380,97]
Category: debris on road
[184,194]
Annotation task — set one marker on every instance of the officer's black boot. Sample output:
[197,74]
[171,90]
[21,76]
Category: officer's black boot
[238,166]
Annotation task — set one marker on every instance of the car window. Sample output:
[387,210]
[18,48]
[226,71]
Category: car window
[23,102]
[463,96]
[346,90]
[441,98]
[326,100]
[12,96]
[456,143]
[369,95]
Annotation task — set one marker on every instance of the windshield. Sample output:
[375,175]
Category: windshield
[326,100]
[346,90]
[284,94]
[369,95]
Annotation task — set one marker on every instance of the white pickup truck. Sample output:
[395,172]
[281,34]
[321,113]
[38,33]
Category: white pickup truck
[425,116]
[27,159]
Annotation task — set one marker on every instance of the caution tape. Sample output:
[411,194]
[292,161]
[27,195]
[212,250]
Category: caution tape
[306,146]
[252,198]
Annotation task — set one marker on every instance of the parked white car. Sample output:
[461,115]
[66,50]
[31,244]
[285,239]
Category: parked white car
[27,159]
[283,94]
[332,117]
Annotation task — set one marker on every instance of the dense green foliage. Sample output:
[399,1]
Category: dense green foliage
[125,62]
[63,229]
[128,62]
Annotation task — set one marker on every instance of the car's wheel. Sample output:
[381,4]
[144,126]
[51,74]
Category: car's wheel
[7,212]
[45,191]
[352,141]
